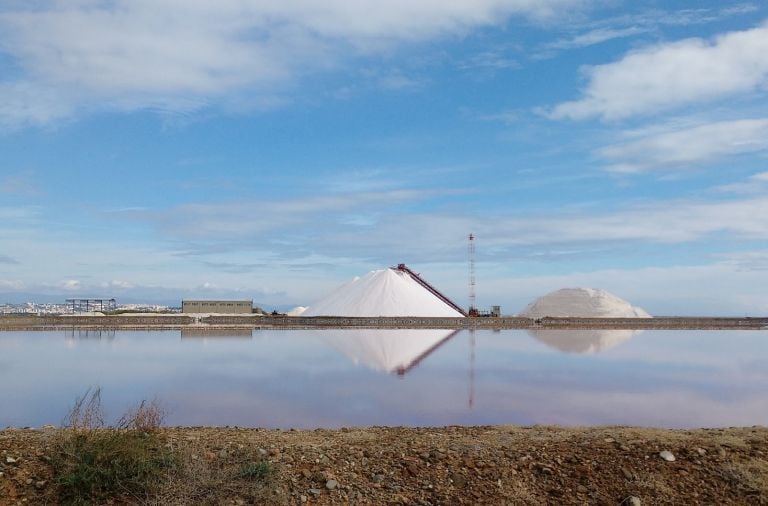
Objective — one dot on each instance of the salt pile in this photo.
(386, 292)
(388, 350)
(582, 341)
(297, 311)
(582, 302)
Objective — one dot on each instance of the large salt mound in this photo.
(390, 350)
(387, 292)
(582, 302)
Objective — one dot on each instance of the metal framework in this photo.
(88, 305)
(471, 252)
(434, 291)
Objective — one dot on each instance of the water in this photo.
(332, 378)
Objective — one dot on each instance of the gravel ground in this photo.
(430, 466)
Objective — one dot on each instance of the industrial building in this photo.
(217, 306)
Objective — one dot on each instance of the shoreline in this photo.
(441, 465)
(182, 321)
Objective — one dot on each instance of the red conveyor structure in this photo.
(434, 291)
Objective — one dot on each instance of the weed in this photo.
(255, 470)
(93, 461)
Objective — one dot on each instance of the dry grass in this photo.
(93, 462)
(750, 478)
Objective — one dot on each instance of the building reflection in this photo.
(217, 333)
(95, 334)
(583, 340)
(395, 351)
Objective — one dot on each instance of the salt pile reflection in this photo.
(388, 350)
(582, 340)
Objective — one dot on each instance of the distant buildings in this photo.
(217, 306)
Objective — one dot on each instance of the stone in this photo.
(303, 498)
(701, 451)
(306, 473)
(10, 460)
(40, 484)
(633, 501)
(315, 491)
(458, 480)
(667, 455)
(627, 473)
(331, 484)
(29, 481)
(263, 452)
(582, 489)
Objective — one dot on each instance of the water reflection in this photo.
(89, 334)
(304, 378)
(218, 333)
(389, 350)
(583, 340)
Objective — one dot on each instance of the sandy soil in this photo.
(452, 465)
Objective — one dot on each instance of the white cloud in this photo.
(184, 54)
(688, 146)
(669, 75)
(595, 36)
(757, 183)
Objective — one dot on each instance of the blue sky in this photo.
(153, 150)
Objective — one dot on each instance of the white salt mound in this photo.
(583, 340)
(582, 302)
(386, 292)
(297, 311)
(390, 350)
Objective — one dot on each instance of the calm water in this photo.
(331, 378)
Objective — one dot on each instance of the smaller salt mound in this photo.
(583, 341)
(584, 303)
(386, 292)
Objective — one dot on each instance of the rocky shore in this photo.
(426, 466)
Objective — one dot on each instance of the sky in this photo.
(152, 150)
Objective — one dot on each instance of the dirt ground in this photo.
(429, 466)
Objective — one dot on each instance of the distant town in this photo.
(67, 308)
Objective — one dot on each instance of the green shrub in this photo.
(255, 470)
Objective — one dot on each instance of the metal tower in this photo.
(472, 307)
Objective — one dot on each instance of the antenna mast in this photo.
(472, 307)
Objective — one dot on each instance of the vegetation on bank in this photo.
(92, 462)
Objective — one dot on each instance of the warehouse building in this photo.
(217, 306)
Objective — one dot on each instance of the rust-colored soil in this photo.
(453, 465)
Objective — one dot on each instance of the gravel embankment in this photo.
(452, 465)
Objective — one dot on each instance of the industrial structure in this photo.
(90, 305)
(217, 306)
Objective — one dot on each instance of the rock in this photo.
(263, 452)
(624, 448)
(319, 477)
(632, 501)
(315, 491)
(378, 478)
(582, 489)
(40, 484)
(458, 480)
(331, 484)
(306, 473)
(10, 460)
(701, 451)
(667, 455)
(29, 481)
(627, 474)
(303, 498)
